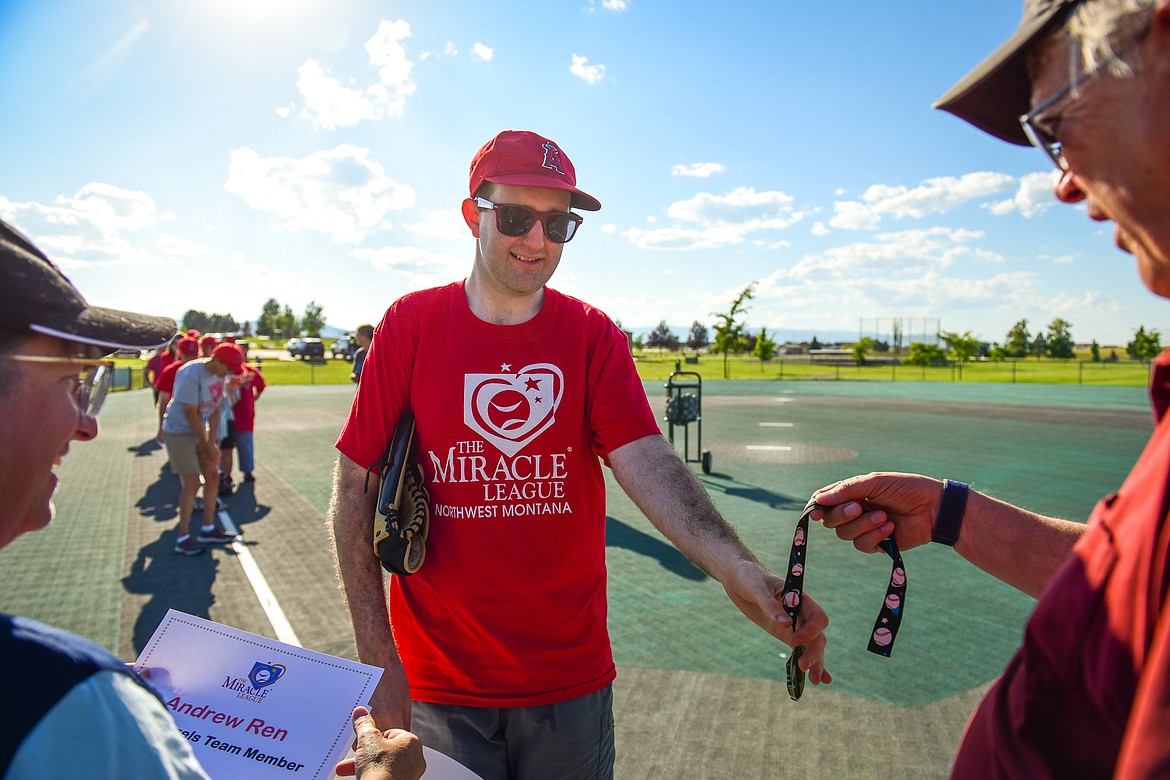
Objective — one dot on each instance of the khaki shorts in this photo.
(184, 455)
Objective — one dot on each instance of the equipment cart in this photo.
(684, 405)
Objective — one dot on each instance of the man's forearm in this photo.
(1014, 545)
(359, 573)
(673, 500)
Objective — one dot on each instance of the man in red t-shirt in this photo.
(186, 350)
(497, 651)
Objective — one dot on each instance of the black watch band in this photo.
(950, 513)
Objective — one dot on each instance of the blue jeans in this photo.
(245, 450)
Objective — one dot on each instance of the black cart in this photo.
(684, 405)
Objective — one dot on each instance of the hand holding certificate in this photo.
(251, 706)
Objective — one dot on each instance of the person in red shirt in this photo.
(244, 410)
(186, 349)
(162, 357)
(497, 651)
(1088, 692)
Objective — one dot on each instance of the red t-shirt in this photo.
(510, 607)
(166, 380)
(156, 364)
(1088, 692)
(244, 409)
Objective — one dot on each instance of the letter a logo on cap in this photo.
(552, 158)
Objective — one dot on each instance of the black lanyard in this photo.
(885, 629)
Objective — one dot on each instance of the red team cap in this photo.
(203, 342)
(188, 346)
(194, 334)
(525, 159)
(230, 356)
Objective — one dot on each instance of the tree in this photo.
(286, 323)
(268, 322)
(313, 321)
(1095, 351)
(861, 348)
(1039, 345)
(729, 331)
(662, 337)
(1018, 340)
(222, 323)
(814, 344)
(1060, 342)
(922, 354)
(1145, 345)
(963, 347)
(765, 347)
(195, 319)
(698, 338)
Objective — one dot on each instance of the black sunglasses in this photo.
(885, 629)
(514, 220)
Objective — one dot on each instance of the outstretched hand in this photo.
(393, 754)
(867, 509)
(757, 593)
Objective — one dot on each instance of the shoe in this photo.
(248, 477)
(214, 536)
(225, 487)
(188, 547)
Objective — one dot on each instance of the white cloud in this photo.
(1033, 197)
(340, 192)
(699, 170)
(720, 220)
(590, 74)
(422, 268)
(388, 55)
(446, 224)
(932, 196)
(482, 52)
(615, 5)
(100, 225)
(330, 104)
(819, 229)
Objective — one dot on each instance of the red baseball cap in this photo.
(230, 357)
(188, 346)
(525, 159)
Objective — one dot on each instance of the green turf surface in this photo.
(1053, 449)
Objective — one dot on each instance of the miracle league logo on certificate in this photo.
(254, 688)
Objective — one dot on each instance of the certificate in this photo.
(251, 706)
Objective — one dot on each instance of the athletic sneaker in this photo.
(188, 547)
(248, 477)
(214, 536)
(225, 487)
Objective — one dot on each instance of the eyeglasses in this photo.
(885, 629)
(93, 383)
(1045, 140)
(514, 220)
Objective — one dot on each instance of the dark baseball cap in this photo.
(998, 91)
(525, 159)
(35, 296)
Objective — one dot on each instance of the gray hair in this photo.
(1100, 26)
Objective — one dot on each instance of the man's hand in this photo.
(867, 509)
(392, 754)
(757, 593)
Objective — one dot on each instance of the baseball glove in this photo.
(402, 516)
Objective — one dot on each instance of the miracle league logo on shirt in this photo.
(509, 410)
(258, 680)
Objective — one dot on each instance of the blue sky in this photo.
(174, 155)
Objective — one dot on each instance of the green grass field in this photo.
(654, 365)
(1123, 373)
